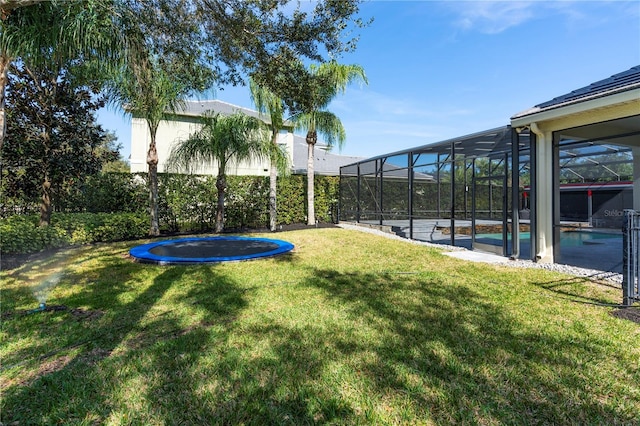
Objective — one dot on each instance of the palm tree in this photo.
(328, 79)
(267, 103)
(221, 141)
(148, 92)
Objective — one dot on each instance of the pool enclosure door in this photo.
(490, 217)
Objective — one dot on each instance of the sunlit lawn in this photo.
(350, 328)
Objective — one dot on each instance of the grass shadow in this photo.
(461, 357)
(81, 343)
(588, 290)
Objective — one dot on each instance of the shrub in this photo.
(115, 192)
(187, 203)
(292, 199)
(247, 202)
(21, 234)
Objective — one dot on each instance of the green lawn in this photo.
(350, 328)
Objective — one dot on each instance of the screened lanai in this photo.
(464, 192)
(587, 150)
(457, 192)
(551, 187)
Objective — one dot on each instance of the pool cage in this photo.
(461, 192)
(465, 191)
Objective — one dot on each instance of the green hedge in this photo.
(21, 234)
(187, 203)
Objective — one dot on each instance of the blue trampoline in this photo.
(208, 250)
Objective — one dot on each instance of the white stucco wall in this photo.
(170, 132)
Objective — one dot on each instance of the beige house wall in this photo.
(171, 132)
(544, 124)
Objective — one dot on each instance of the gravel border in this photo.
(611, 277)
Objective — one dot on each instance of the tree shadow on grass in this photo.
(241, 373)
(137, 362)
(234, 385)
(459, 357)
(46, 280)
(587, 290)
(380, 348)
(71, 384)
(410, 348)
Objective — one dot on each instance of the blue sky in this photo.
(439, 70)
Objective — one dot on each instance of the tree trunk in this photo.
(154, 227)
(152, 161)
(45, 205)
(221, 185)
(45, 200)
(312, 138)
(273, 182)
(5, 62)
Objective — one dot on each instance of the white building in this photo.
(187, 122)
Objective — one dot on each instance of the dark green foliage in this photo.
(326, 198)
(247, 202)
(271, 41)
(113, 207)
(186, 202)
(21, 234)
(114, 192)
(105, 193)
(291, 199)
(53, 141)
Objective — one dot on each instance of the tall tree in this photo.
(266, 39)
(45, 33)
(270, 40)
(329, 79)
(166, 65)
(153, 95)
(54, 139)
(223, 140)
(267, 103)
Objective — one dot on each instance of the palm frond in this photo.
(221, 140)
(46, 33)
(304, 121)
(269, 104)
(330, 127)
(331, 78)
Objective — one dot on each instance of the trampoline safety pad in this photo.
(208, 250)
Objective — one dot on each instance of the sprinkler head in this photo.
(42, 306)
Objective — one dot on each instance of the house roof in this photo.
(617, 83)
(197, 108)
(325, 162)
